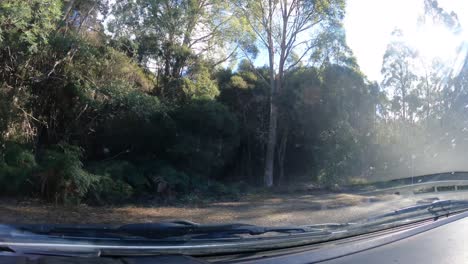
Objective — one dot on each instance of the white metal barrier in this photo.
(414, 188)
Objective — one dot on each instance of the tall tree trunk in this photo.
(271, 143)
(282, 154)
(403, 100)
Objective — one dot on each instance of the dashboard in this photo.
(443, 241)
(444, 244)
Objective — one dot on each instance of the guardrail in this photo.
(453, 185)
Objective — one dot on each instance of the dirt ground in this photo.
(285, 209)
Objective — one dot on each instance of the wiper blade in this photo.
(434, 210)
(193, 230)
(173, 230)
(178, 237)
(187, 238)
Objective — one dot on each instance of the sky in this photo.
(369, 23)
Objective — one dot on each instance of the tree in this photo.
(25, 31)
(398, 69)
(83, 15)
(173, 35)
(246, 95)
(286, 29)
(438, 15)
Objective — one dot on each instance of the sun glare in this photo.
(433, 42)
(368, 33)
(436, 42)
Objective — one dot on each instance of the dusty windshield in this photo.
(269, 113)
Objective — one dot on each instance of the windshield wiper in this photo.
(182, 230)
(172, 230)
(187, 238)
(197, 231)
(432, 210)
(178, 237)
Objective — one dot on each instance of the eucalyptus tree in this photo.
(398, 69)
(173, 35)
(287, 30)
(84, 15)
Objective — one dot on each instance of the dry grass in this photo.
(262, 210)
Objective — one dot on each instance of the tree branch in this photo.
(300, 58)
(254, 68)
(227, 57)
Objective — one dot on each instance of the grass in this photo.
(262, 209)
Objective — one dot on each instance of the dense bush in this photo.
(108, 190)
(207, 134)
(156, 180)
(19, 156)
(61, 176)
(137, 125)
(16, 170)
(123, 171)
(195, 187)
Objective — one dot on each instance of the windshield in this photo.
(269, 115)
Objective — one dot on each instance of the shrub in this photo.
(219, 190)
(206, 137)
(14, 180)
(107, 190)
(123, 171)
(189, 188)
(19, 156)
(177, 181)
(328, 178)
(136, 125)
(16, 170)
(62, 177)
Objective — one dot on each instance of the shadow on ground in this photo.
(284, 209)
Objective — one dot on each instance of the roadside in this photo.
(278, 209)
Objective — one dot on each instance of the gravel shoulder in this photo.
(284, 209)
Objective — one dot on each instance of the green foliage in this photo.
(19, 156)
(14, 180)
(62, 176)
(106, 190)
(328, 114)
(238, 82)
(399, 70)
(177, 181)
(122, 171)
(16, 170)
(195, 188)
(175, 44)
(149, 111)
(206, 136)
(121, 180)
(136, 124)
(27, 26)
(25, 30)
(200, 84)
